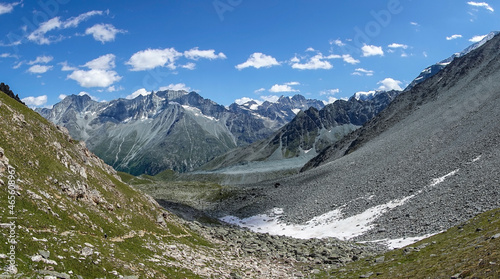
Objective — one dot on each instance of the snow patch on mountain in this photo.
(332, 224)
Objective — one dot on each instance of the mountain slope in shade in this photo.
(168, 129)
(424, 164)
(301, 139)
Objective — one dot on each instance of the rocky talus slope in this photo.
(426, 163)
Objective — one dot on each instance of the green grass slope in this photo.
(71, 216)
(470, 250)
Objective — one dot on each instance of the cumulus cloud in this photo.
(337, 42)
(330, 100)
(140, 92)
(176, 87)
(104, 62)
(476, 39)
(103, 32)
(329, 92)
(349, 59)
(259, 90)
(6, 8)
(152, 58)
(62, 96)
(453, 37)
(189, 66)
(371, 50)
(41, 59)
(287, 87)
(39, 69)
(100, 73)
(258, 60)
(245, 100)
(316, 62)
(395, 45)
(95, 78)
(389, 84)
(363, 72)
(39, 35)
(196, 54)
(270, 98)
(66, 68)
(482, 5)
(35, 101)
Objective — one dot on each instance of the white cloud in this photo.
(293, 83)
(310, 49)
(337, 42)
(105, 62)
(176, 87)
(476, 39)
(389, 84)
(245, 100)
(196, 54)
(361, 72)
(114, 88)
(330, 100)
(258, 60)
(103, 32)
(395, 45)
(481, 4)
(189, 66)
(349, 59)
(371, 50)
(95, 77)
(5, 55)
(39, 69)
(140, 92)
(152, 58)
(329, 92)
(259, 90)
(453, 37)
(282, 88)
(62, 96)
(66, 67)
(35, 101)
(414, 23)
(295, 59)
(316, 62)
(38, 36)
(6, 8)
(100, 73)
(270, 98)
(41, 59)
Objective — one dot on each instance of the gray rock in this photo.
(59, 275)
(87, 251)
(44, 254)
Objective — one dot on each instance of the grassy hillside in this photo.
(73, 217)
(470, 250)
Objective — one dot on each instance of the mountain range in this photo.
(169, 129)
(302, 138)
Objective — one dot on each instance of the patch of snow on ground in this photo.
(402, 242)
(330, 224)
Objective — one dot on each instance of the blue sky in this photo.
(229, 49)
